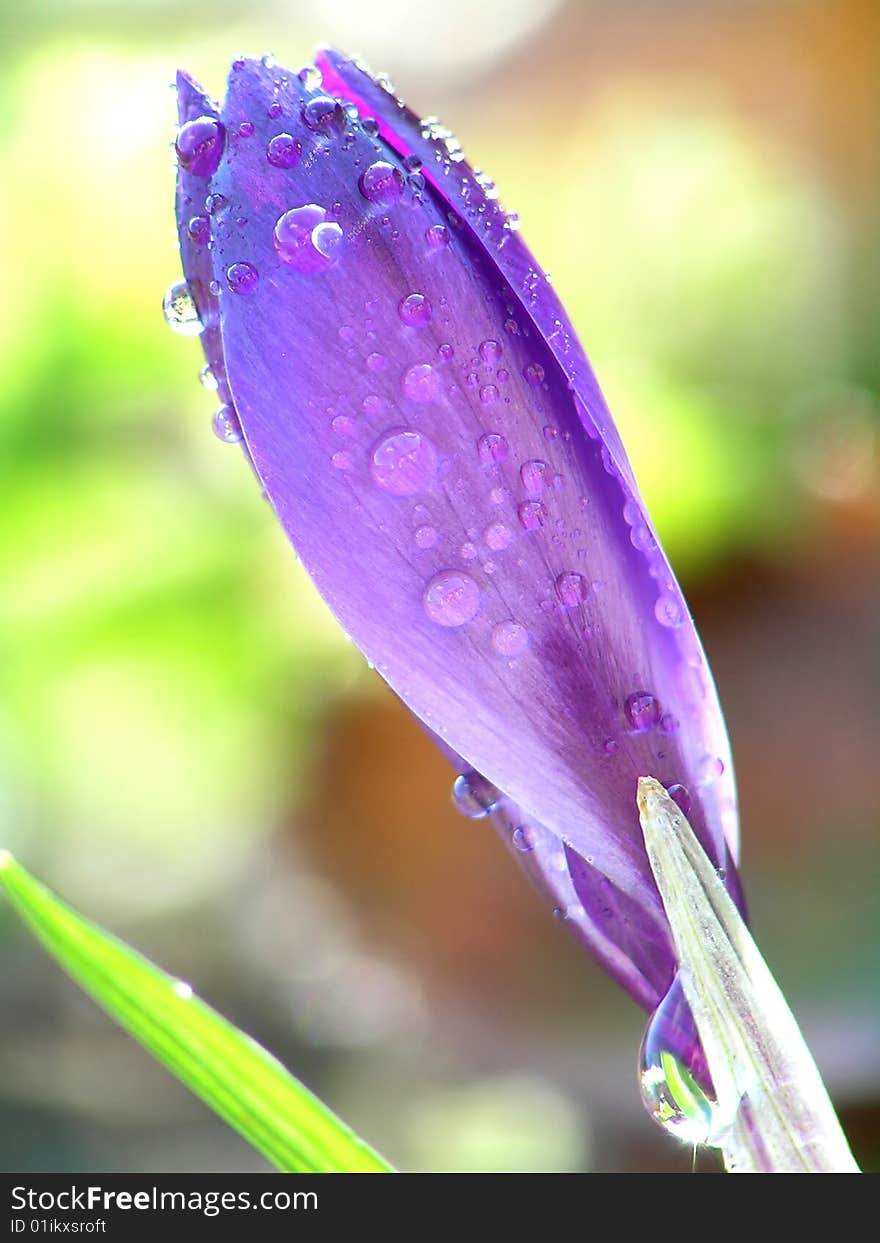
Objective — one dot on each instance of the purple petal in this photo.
(431, 436)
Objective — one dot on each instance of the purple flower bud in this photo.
(472, 519)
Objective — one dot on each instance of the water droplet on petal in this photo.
(642, 711)
(670, 1092)
(451, 598)
(509, 638)
(668, 612)
(532, 515)
(199, 146)
(415, 310)
(534, 476)
(681, 795)
(524, 838)
(376, 362)
(180, 310)
(226, 425)
(437, 236)
(198, 229)
(404, 462)
(571, 589)
(425, 536)
(421, 383)
(242, 278)
(497, 536)
(324, 116)
(490, 351)
(473, 795)
(284, 151)
(492, 449)
(305, 239)
(381, 183)
(488, 394)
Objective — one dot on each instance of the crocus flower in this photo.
(424, 422)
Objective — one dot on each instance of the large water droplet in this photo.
(404, 462)
(284, 151)
(451, 598)
(642, 711)
(381, 183)
(473, 795)
(199, 146)
(306, 240)
(180, 310)
(421, 383)
(670, 1067)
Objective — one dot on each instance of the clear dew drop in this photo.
(473, 795)
(497, 536)
(510, 638)
(425, 536)
(242, 278)
(534, 373)
(403, 462)
(670, 1093)
(492, 449)
(381, 183)
(310, 77)
(199, 146)
(207, 379)
(668, 611)
(284, 151)
(534, 476)
(324, 116)
(415, 310)
(198, 229)
(490, 351)
(226, 426)
(642, 711)
(488, 394)
(524, 838)
(532, 515)
(437, 236)
(571, 589)
(180, 310)
(451, 598)
(681, 796)
(421, 383)
(306, 240)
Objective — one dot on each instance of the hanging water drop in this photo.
(180, 310)
(473, 795)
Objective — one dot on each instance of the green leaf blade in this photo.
(237, 1078)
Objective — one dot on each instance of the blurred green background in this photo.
(192, 754)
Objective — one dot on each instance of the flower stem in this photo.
(780, 1118)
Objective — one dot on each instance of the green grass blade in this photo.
(232, 1074)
